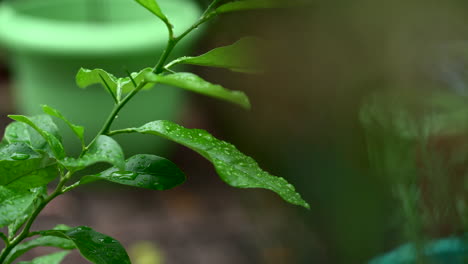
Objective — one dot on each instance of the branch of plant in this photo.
(25, 233)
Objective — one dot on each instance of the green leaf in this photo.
(240, 57)
(235, 168)
(78, 130)
(20, 132)
(144, 171)
(41, 193)
(194, 83)
(256, 4)
(117, 86)
(153, 7)
(95, 247)
(44, 241)
(104, 149)
(47, 129)
(54, 258)
(13, 203)
(23, 168)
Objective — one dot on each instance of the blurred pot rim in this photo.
(21, 32)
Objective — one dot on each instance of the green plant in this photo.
(32, 156)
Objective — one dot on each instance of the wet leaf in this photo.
(41, 193)
(78, 130)
(44, 241)
(239, 57)
(144, 171)
(47, 129)
(194, 83)
(23, 168)
(153, 7)
(95, 247)
(117, 86)
(235, 168)
(54, 258)
(104, 149)
(13, 203)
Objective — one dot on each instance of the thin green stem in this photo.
(172, 42)
(121, 131)
(25, 233)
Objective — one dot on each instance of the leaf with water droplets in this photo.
(44, 241)
(115, 86)
(20, 132)
(54, 258)
(153, 7)
(104, 149)
(13, 204)
(144, 171)
(23, 168)
(78, 130)
(239, 57)
(235, 168)
(257, 4)
(41, 194)
(47, 129)
(194, 83)
(95, 247)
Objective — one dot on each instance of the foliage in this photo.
(32, 156)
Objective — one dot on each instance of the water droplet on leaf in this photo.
(125, 175)
(20, 156)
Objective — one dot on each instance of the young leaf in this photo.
(54, 258)
(78, 130)
(194, 83)
(22, 168)
(44, 241)
(144, 171)
(235, 168)
(255, 4)
(238, 57)
(153, 7)
(47, 129)
(117, 86)
(13, 203)
(104, 149)
(95, 247)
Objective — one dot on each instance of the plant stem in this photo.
(25, 232)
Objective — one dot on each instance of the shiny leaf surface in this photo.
(235, 168)
(13, 204)
(117, 86)
(104, 149)
(239, 57)
(47, 129)
(144, 171)
(41, 193)
(194, 83)
(23, 168)
(95, 247)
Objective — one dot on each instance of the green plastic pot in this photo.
(49, 40)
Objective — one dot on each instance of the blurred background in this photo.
(322, 63)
